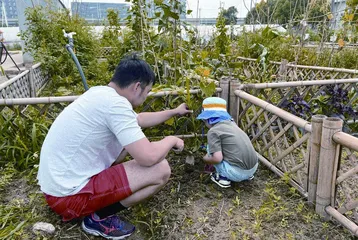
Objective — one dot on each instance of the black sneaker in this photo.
(223, 182)
(111, 227)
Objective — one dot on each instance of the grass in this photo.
(189, 207)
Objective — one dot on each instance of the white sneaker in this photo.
(223, 182)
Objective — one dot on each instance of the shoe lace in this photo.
(116, 223)
(224, 178)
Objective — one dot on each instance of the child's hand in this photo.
(207, 157)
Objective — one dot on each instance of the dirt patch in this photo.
(192, 207)
(17, 191)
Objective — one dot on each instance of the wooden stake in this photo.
(327, 163)
(315, 146)
(283, 70)
(32, 83)
(224, 85)
(337, 157)
(233, 106)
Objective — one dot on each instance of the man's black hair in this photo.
(132, 69)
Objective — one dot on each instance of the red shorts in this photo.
(107, 187)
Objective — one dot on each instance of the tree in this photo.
(351, 13)
(230, 15)
(221, 39)
(349, 32)
(288, 11)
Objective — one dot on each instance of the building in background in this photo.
(337, 8)
(8, 13)
(10, 10)
(96, 12)
(93, 11)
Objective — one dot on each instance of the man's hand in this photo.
(153, 152)
(183, 109)
(179, 146)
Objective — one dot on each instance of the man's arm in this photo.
(149, 153)
(150, 119)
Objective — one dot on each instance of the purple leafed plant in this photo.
(333, 101)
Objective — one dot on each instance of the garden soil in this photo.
(192, 207)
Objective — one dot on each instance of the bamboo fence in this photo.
(313, 155)
(316, 157)
(284, 71)
(344, 194)
(327, 45)
(104, 52)
(27, 84)
(278, 93)
(281, 139)
(50, 107)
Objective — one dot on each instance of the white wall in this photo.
(10, 34)
(204, 31)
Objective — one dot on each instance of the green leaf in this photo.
(235, 64)
(170, 13)
(208, 89)
(204, 54)
(170, 122)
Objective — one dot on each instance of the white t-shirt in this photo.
(85, 139)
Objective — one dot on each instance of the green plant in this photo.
(221, 39)
(45, 41)
(22, 137)
(333, 101)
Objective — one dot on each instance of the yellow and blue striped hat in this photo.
(214, 107)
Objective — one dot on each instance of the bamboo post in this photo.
(233, 105)
(327, 164)
(32, 83)
(314, 153)
(224, 85)
(283, 70)
(165, 70)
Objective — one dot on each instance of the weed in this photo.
(236, 201)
